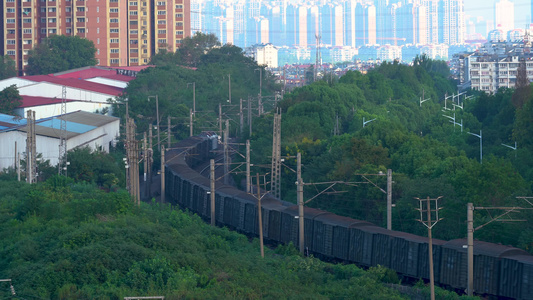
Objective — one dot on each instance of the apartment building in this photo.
(492, 67)
(125, 33)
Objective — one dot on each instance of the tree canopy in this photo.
(9, 99)
(59, 53)
(7, 67)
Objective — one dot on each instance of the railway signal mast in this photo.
(428, 221)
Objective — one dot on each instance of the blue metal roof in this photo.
(12, 120)
(71, 126)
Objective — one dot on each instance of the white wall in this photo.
(50, 110)
(49, 147)
(50, 90)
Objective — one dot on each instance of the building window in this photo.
(161, 22)
(134, 22)
(81, 8)
(114, 61)
(27, 42)
(80, 20)
(113, 30)
(10, 52)
(11, 31)
(27, 21)
(134, 60)
(113, 20)
(68, 30)
(133, 13)
(179, 32)
(10, 21)
(52, 31)
(81, 30)
(162, 41)
(179, 6)
(113, 41)
(133, 3)
(27, 31)
(68, 20)
(179, 24)
(10, 10)
(162, 12)
(114, 50)
(133, 42)
(162, 32)
(160, 2)
(68, 9)
(113, 10)
(52, 9)
(134, 50)
(135, 31)
(179, 15)
(52, 20)
(11, 42)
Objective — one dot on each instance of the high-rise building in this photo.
(451, 22)
(125, 33)
(504, 15)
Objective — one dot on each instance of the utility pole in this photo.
(276, 156)
(300, 200)
(480, 136)
(389, 199)
(62, 162)
(190, 122)
(150, 158)
(250, 114)
(30, 147)
(163, 174)
(229, 87)
(241, 118)
(169, 136)
(248, 188)
(212, 193)
(318, 56)
(145, 165)
(422, 100)
(157, 117)
(429, 222)
(259, 214)
(226, 153)
(260, 106)
(220, 133)
(193, 96)
(10, 286)
(471, 229)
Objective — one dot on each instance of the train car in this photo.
(333, 236)
(370, 245)
(498, 270)
(289, 226)
(487, 257)
(516, 276)
(407, 255)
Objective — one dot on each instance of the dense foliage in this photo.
(59, 53)
(9, 99)
(7, 67)
(73, 241)
(429, 156)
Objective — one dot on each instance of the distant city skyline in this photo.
(485, 8)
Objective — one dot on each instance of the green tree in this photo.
(59, 53)
(192, 48)
(7, 67)
(522, 86)
(9, 99)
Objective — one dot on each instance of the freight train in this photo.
(499, 271)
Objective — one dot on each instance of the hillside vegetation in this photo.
(61, 240)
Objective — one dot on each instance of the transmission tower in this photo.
(62, 163)
(276, 156)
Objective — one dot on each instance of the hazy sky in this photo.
(485, 8)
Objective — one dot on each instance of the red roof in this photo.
(119, 77)
(133, 68)
(77, 83)
(85, 73)
(29, 101)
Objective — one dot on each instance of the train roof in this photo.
(484, 248)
